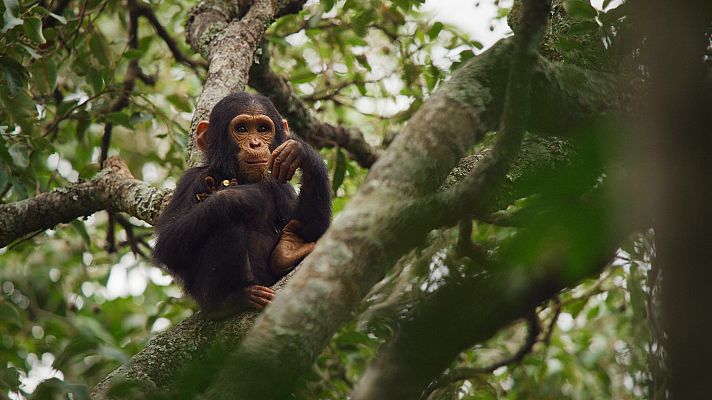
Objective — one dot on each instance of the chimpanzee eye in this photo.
(241, 128)
(262, 128)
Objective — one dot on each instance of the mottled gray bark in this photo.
(155, 367)
(389, 215)
(113, 188)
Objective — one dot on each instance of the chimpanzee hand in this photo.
(286, 159)
(254, 297)
(258, 297)
(290, 250)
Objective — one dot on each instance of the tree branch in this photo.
(113, 188)
(514, 121)
(147, 12)
(473, 309)
(228, 44)
(464, 373)
(334, 279)
(155, 367)
(302, 121)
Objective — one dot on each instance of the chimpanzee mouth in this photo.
(255, 162)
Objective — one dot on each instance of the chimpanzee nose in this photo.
(254, 143)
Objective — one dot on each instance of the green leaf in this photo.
(302, 75)
(328, 5)
(583, 27)
(10, 20)
(9, 314)
(33, 30)
(568, 44)
(81, 230)
(503, 12)
(435, 30)
(100, 49)
(59, 18)
(4, 179)
(361, 22)
(133, 54)
(95, 78)
(339, 171)
(31, 52)
(44, 75)
(119, 118)
(179, 102)
(15, 74)
(579, 8)
(20, 155)
(11, 377)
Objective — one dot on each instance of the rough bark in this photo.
(227, 34)
(155, 367)
(408, 168)
(393, 374)
(113, 188)
(382, 221)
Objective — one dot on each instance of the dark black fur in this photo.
(219, 246)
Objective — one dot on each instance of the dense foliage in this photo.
(81, 299)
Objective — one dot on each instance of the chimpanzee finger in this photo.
(292, 170)
(292, 161)
(256, 306)
(263, 294)
(263, 288)
(275, 154)
(259, 300)
(279, 162)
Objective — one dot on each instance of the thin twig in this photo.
(146, 11)
(130, 237)
(461, 374)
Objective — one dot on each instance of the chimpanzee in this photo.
(232, 228)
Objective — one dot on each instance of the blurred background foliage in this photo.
(79, 300)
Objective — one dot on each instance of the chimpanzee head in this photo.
(238, 141)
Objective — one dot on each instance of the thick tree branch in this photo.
(302, 121)
(113, 188)
(514, 120)
(378, 382)
(155, 367)
(380, 223)
(229, 44)
(369, 226)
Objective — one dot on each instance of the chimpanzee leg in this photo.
(224, 284)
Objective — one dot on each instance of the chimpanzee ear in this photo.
(201, 138)
(286, 127)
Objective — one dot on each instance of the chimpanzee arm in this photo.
(314, 203)
(186, 222)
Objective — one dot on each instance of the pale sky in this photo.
(475, 21)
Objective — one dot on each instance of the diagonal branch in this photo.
(148, 13)
(113, 188)
(514, 120)
(301, 119)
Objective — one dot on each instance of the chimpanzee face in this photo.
(238, 140)
(253, 133)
